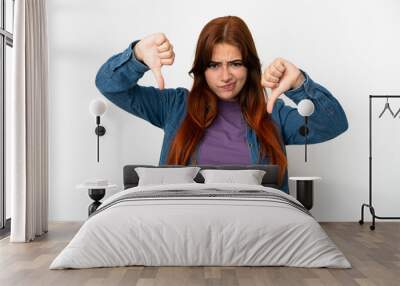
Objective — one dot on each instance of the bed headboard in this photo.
(270, 179)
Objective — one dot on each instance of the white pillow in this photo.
(164, 176)
(249, 177)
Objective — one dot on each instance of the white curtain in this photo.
(28, 123)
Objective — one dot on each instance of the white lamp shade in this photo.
(97, 107)
(305, 107)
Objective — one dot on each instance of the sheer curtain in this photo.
(27, 134)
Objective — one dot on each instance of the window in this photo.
(6, 44)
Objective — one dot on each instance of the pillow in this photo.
(249, 177)
(165, 176)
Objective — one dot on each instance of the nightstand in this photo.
(96, 193)
(304, 190)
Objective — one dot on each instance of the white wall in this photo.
(350, 47)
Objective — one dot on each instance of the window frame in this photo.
(6, 39)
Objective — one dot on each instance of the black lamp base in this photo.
(100, 130)
(303, 130)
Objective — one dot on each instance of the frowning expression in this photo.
(226, 73)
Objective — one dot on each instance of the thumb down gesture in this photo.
(155, 51)
(280, 76)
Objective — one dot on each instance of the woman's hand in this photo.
(155, 51)
(280, 76)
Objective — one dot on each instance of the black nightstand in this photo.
(96, 193)
(304, 190)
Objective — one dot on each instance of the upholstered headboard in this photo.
(270, 179)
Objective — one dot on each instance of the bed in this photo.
(201, 224)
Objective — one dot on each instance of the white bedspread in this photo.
(200, 231)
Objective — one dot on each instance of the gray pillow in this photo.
(165, 176)
(249, 177)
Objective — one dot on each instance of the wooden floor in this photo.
(374, 255)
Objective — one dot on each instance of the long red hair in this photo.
(202, 106)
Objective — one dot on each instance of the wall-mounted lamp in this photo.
(305, 108)
(97, 108)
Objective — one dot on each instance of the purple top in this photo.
(224, 142)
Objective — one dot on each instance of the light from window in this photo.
(9, 16)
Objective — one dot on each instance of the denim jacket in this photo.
(118, 79)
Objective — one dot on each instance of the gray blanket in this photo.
(204, 194)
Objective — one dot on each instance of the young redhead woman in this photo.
(226, 117)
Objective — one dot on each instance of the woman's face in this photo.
(226, 74)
